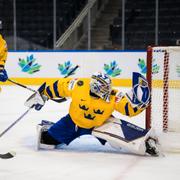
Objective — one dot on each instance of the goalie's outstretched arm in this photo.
(58, 89)
(136, 100)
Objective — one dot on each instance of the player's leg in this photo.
(52, 134)
(63, 132)
(82, 131)
(121, 134)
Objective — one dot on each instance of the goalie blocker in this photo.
(139, 95)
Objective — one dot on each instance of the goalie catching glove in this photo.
(139, 96)
(38, 99)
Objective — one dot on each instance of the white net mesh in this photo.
(165, 114)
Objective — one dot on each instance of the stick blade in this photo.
(8, 155)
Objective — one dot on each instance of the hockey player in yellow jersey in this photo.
(92, 103)
(3, 57)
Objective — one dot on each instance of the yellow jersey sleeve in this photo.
(123, 106)
(60, 88)
(3, 52)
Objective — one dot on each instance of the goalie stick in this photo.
(8, 155)
(12, 154)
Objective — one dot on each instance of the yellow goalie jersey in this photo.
(3, 52)
(87, 111)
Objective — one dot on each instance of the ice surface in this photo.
(84, 159)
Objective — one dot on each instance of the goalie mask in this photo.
(100, 85)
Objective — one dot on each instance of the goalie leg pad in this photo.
(44, 140)
(121, 134)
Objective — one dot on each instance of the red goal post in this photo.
(163, 74)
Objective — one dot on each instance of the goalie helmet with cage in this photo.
(100, 85)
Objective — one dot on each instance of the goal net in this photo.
(163, 74)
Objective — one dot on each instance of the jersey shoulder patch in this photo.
(72, 83)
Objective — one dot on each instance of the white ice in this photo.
(83, 159)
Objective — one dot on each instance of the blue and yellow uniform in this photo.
(86, 111)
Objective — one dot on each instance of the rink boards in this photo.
(35, 67)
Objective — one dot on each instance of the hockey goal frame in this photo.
(165, 81)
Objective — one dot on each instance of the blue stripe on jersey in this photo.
(127, 109)
(55, 87)
(49, 92)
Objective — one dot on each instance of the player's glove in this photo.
(3, 75)
(38, 99)
(139, 96)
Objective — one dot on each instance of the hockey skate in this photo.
(44, 141)
(152, 147)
